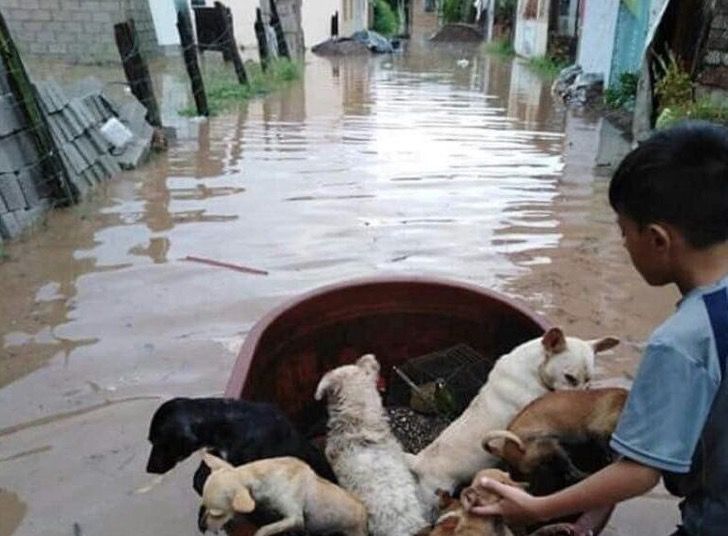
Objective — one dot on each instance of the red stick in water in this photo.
(220, 264)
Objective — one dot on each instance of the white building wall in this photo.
(315, 14)
(164, 15)
(597, 36)
(531, 36)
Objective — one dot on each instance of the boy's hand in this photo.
(516, 506)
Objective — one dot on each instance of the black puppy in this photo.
(235, 430)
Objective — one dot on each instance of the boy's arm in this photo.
(615, 483)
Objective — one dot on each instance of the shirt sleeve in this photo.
(666, 410)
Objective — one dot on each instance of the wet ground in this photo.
(438, 160)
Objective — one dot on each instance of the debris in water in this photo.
(221, 264)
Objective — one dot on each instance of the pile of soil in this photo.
(458, 32)
(340, 47)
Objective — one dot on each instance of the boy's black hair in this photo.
(678, 176)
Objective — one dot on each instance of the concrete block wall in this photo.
(88, 158)
(76, 30)
(714, 73)
(25, 193)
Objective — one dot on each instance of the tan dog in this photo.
(456, 519)
(526, 373)
(287, 486)
(537, 434)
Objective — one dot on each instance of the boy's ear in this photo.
(601, 345)
(553, 341)
(214, 463)
(660, 236)
(243, 502)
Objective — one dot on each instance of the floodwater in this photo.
(439, 160)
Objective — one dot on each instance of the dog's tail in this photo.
(501, 434)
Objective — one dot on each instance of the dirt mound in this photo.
(458, 32)
(340, 47)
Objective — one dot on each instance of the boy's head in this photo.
(671, 193)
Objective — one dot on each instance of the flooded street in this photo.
(417, 163)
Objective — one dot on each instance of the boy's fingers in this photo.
(492, 509)
(497, 487)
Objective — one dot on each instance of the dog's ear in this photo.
(601, 345)
(369, 364)
(327, 386)
(243, 502)
(554, 341)
(214, 463)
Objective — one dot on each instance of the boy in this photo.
(671, 199)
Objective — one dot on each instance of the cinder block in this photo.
(57, 48)
(11, 192)
(41, 15)
(10, 118)
(9, 226)
(16, 152)
(38, 48)
(27, 184)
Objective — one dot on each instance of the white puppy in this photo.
(286, 486)
(526, 373)
(366, 457)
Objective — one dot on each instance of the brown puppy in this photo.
(455, 518)
(537, 435)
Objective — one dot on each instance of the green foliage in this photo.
(702, 109)
(622, 95)
(546, 66)
(504, 9)
(3, 254)
(674, 87)
(501, 47)
(454, 10)
(224, 91)
(385, 18)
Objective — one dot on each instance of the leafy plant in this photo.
(623, 93)
(224, 91)
(385, 18)
(505, 9)
(702, 109)
(500, 47)
(454, 10)
(547, 66)
(674, 87)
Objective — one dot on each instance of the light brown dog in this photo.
(286, 486)
(456, 519)
(537, 435)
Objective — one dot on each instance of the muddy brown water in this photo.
(438, 160)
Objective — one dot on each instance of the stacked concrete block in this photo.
(77, 30)
(88, 158)
(75, 124)
(714, 73)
